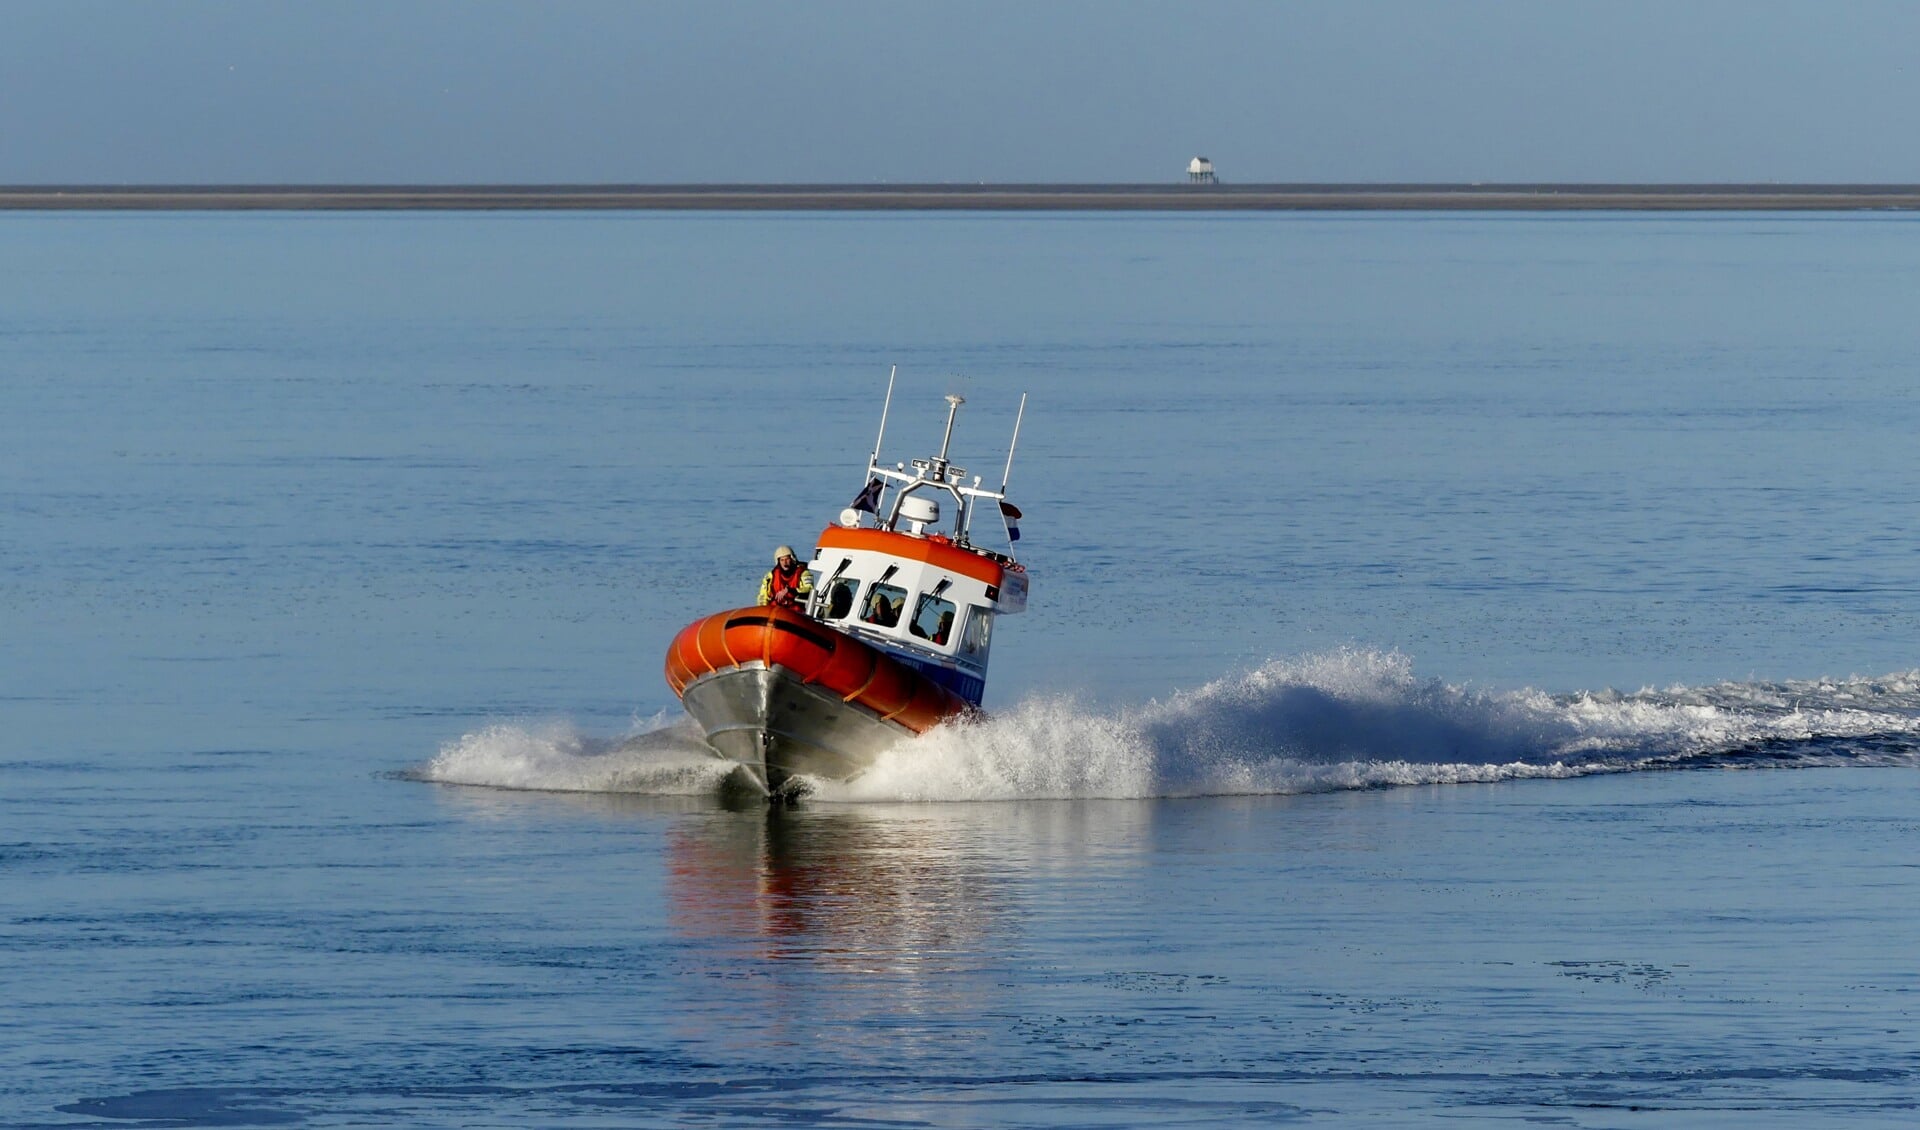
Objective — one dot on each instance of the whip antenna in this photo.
(874, 459)
(1015, 442)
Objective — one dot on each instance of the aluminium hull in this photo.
(778, 726)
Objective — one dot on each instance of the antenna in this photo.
(954, 401)
(874, 460)
(1015, 442)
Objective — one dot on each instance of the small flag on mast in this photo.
(869, 497)
(1011, 514)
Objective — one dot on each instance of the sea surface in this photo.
(1472, 674)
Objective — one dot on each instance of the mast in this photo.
(936, 473)
(939, 467)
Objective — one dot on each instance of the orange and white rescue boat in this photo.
(892, 640)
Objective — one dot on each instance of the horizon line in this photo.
(938, 196)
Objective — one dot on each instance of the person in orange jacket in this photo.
(787, 584)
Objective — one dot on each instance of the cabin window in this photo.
(840, 598)
(978, 633)
(933, 620)
(883, 604)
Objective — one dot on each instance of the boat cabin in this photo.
(886, 576)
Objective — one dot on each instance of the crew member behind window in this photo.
(787, 584)
(883, 607)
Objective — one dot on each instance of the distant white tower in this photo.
(1200, 171)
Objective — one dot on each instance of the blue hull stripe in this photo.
(969, 687)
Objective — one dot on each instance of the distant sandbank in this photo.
(982, 197)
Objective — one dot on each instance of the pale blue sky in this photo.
(1382, 90)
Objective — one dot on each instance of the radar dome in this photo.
(916, 509)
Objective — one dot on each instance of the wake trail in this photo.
(1347, 719)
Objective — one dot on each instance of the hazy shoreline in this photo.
(984, 197)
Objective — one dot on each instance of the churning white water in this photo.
(1346, 719)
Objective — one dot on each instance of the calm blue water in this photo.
(1471, 673)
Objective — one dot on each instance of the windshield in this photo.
(840, 598)
(883, 604)
(978, 635)
(933, 619)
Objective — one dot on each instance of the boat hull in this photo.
(779, 727)
(787, 696)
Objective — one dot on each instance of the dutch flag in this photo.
(1011, 514)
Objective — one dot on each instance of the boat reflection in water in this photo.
(896, 932)
(876, 890)
(879, 926)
